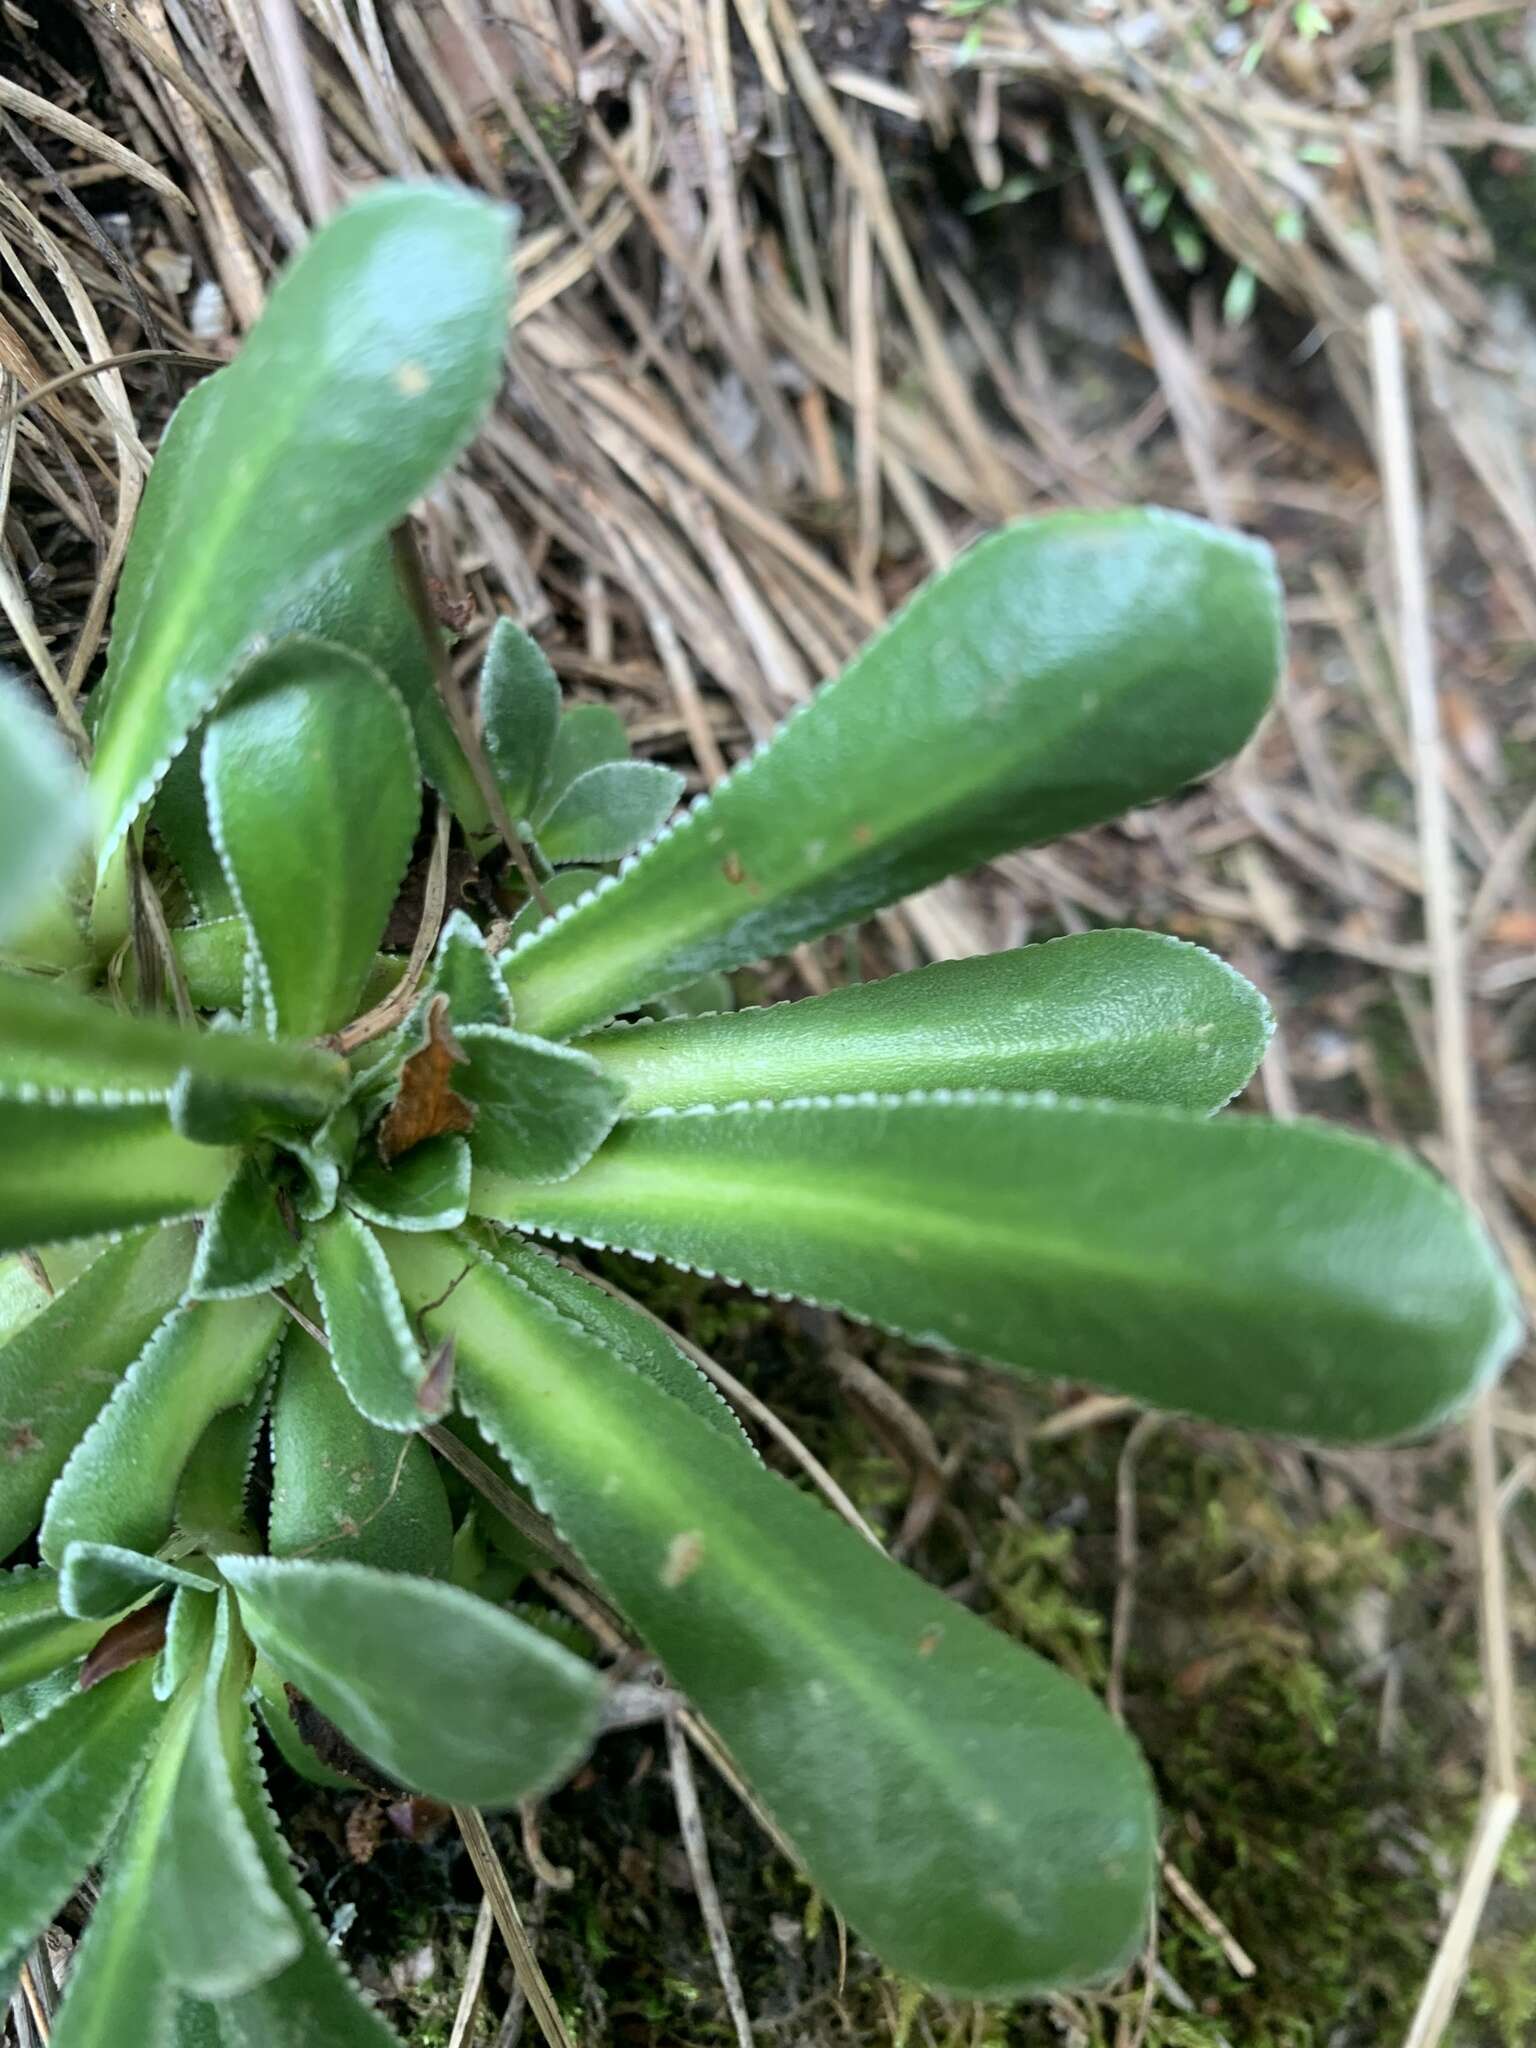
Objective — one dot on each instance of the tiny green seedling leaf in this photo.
(1059, 672)
(589, 736)
(379, 349)
(519, 714)
(376, 1357)
(541, 1110)
(1124, 1015)
(443, 1691)
(311, 780)
(44, 820)
(608, 811)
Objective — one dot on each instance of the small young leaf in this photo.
(1286, 1277)
(1059, 672)
(98, 1580)
(44, 819)
(426, 1188)
(610, 810)
(589, 736)
(120, 1483)
(375, 1356)
(978, 1817)
(519, 711)
(1127, 1015)
(466, 974)
(427, 1104)
(64, 1780)
(246, 1246)
(541, 1110)
(344, 1490)
(378, 351)
(312, 792)
(36, 1635)
(58, 1370)
(441, 1690)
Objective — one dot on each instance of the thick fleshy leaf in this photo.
(60, 1047)
(1286, 1277)
(380, 348)
(100, 1580)
(64, 1780)
(313, 796)
(466, 974)
(1126, 1015)
(609, 811)
(1061, 671)
(121, 1480)
(589, 736)
(58, 1370)
(375, 1354)
(220, 1924)
(180, 817)
(213, 959)
(443, 1691)
(344, 1490)
(68, 1171)
(541, 1110)
(36, 1634)
(426, 1188)
(519, 711)
(642, 1344)
(210, 1501)
(246, 1246)
(976, 1815)
(44, 818)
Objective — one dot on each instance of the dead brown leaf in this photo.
(426, 1106)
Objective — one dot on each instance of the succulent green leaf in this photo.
(443, 1691)
(246, 1246)
(378, 352)
(64, 1780)
(100, 1580)
(44, 820)
(519, 712)
(1124, 1015)
(180, 817)
(59, 1047)
(976, 1815)
(121, 1480)
(36, 1635)
(608, 811)
(210, 1502)
(58, 1370)
(312, 792)
(1285, 1277)
(73, 1171)
(373, 1350)
(466, 974)
(426, 1188)
(213, 959)
(344, 1490)
(541, 1109)
(1059, 672)
(589, 736)
(220, 1925)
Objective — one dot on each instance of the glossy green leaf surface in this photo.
(426, 1188)
(59, 1369)
(44, 819)
(36, 1635)
(246, 1246)
(64, 1780)
(343, 1489)
(443, 1691)
(373, 1348)
(57, 1046)
(1061, 671)
(220, 1924)
(379, 349)
(541, 1110)
(976, 1815)
(519, 712)
(609, 811)
(120, 1483)
(1287, 1277)
(213, 959)
(312, 795)
(180, 817)
(1126, 1015)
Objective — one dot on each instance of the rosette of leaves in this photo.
(299, 1226)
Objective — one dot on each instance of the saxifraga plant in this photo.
(1015, 1157)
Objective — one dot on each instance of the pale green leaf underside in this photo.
(974, 1813)
(373, 1349)
(1282, 1277)
(313, 799)
(443, 1691)
(379, 349)
(1060, 672)
(1127, 1015)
